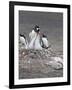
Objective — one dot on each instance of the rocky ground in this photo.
(40, 63)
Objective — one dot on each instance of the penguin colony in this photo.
(37, 41)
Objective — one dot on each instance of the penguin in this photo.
(23, 41)
(35, 38)
(34, 32)
(44, 41)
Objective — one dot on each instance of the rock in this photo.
(40, 63)
(56, 62)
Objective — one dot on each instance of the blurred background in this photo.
(51, 23)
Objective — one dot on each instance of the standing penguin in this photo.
(34, 32)
(23, 41)
(35, 38)
(44, 41)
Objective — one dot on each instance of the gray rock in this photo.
(40, 63)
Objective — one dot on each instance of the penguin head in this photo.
(42, 35)
(36, 28)
(22, 35)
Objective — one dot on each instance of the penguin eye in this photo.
(37, 28)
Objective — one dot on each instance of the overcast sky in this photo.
(43, 19)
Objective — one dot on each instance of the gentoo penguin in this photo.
(44, 41)
(34, 32)
(35, 38)
(23, 41)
